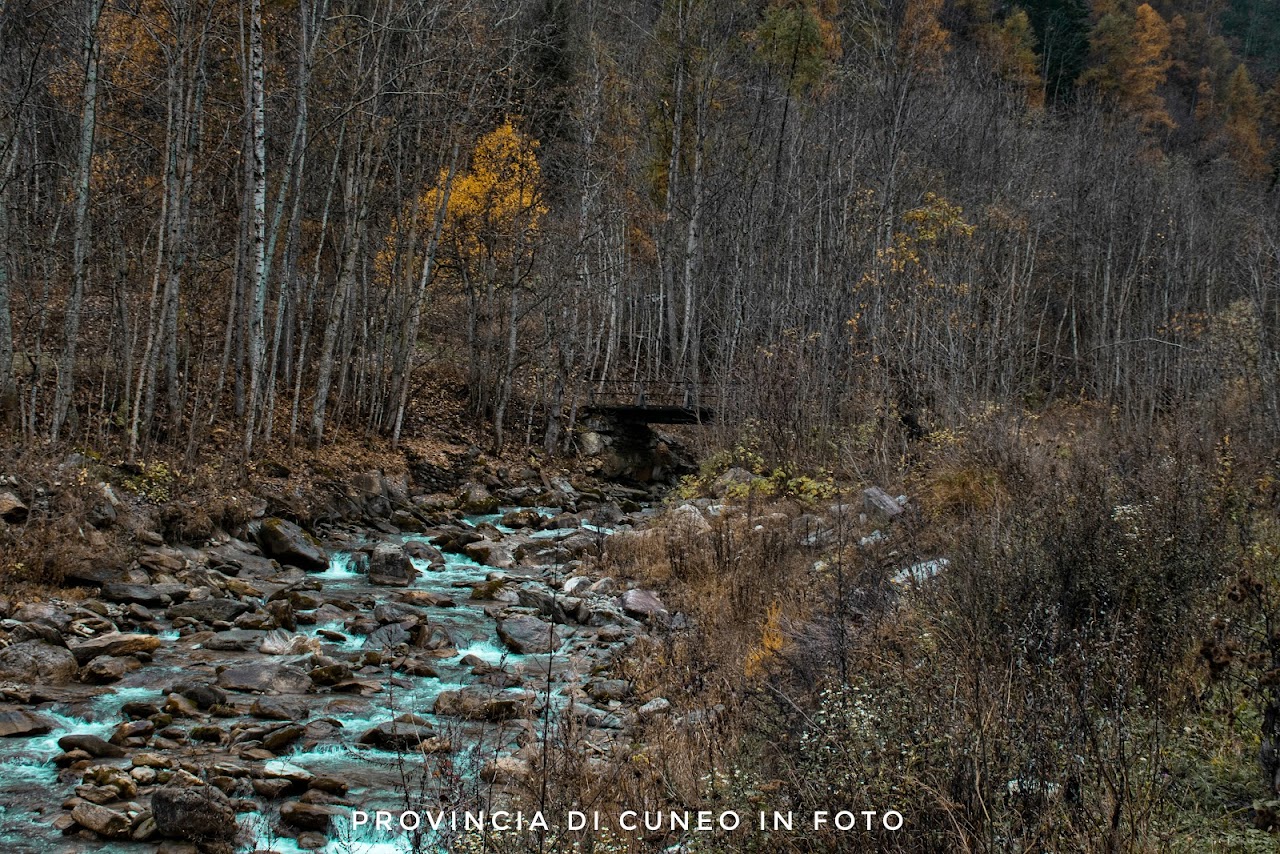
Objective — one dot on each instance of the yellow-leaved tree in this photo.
(1242, 122)
(479, 222)
(1012, 45)
(488, 234)
(1131, 63)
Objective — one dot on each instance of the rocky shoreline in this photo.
(251, 691)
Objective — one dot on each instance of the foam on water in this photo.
(29, 761)
(488, 651)
(341, 568)
(344, 840)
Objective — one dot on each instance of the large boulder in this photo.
(145, 594)
(198, 813)
(43, 612)
(209, 610)
(288, 543)
(406, 732)
(880, 503)
(114, 643)
(93, 745)
(490, 553)
(482, 703)
(235, 640)
(11, 508)
(265, 679)
(279, 709)
(389, 566)
(526, 635)
(544, 602)
(305, 816)
(36, 661)
(476, 499)
(20, 723)
(386, 637)
(643, 604)
(105, 669)
(104, 821)
(424, 551)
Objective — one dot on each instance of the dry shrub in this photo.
(1023, 699)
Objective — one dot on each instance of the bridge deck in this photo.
(650, 402)
(645, 414)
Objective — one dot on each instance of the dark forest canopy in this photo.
(274, 216)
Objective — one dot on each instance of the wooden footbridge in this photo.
(650, 402)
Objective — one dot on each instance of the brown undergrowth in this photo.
(1045, 688)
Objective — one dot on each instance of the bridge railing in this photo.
(687, 395)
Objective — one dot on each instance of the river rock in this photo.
(208, 610)
(37, 631)
(389, 566)
(104, 821)
(424, 551)
(524, 634)
(280, 642)
(306, 816)
(198, 813)
(576, 584)
(104, 670)
(403, 733)
(279, 739)
(35, 661)
(162, 559)
(387, 637)
(526, 518)
(481, 703)
(204, 695)
(242, 559)
(506, 769)
(16, 722)
(235, 640)
(427, 598)
(279, 708)
(330, 674)
(282, 612)
(643, 604)
(12, 508)
(454, 540)
(265, 679)
(92, 745)
(476, 499)
(605, 690)
(542, 601)
(490, 553)
(278, 769)
(687, 520)
(114, 644)
(43, 612)
(145, 594)
(287, 543)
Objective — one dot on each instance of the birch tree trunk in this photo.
(256, 343)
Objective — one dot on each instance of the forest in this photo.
(268, 218)
(1019, 261)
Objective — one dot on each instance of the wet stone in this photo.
(90, 744)
(21, 723)
(278, 709)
